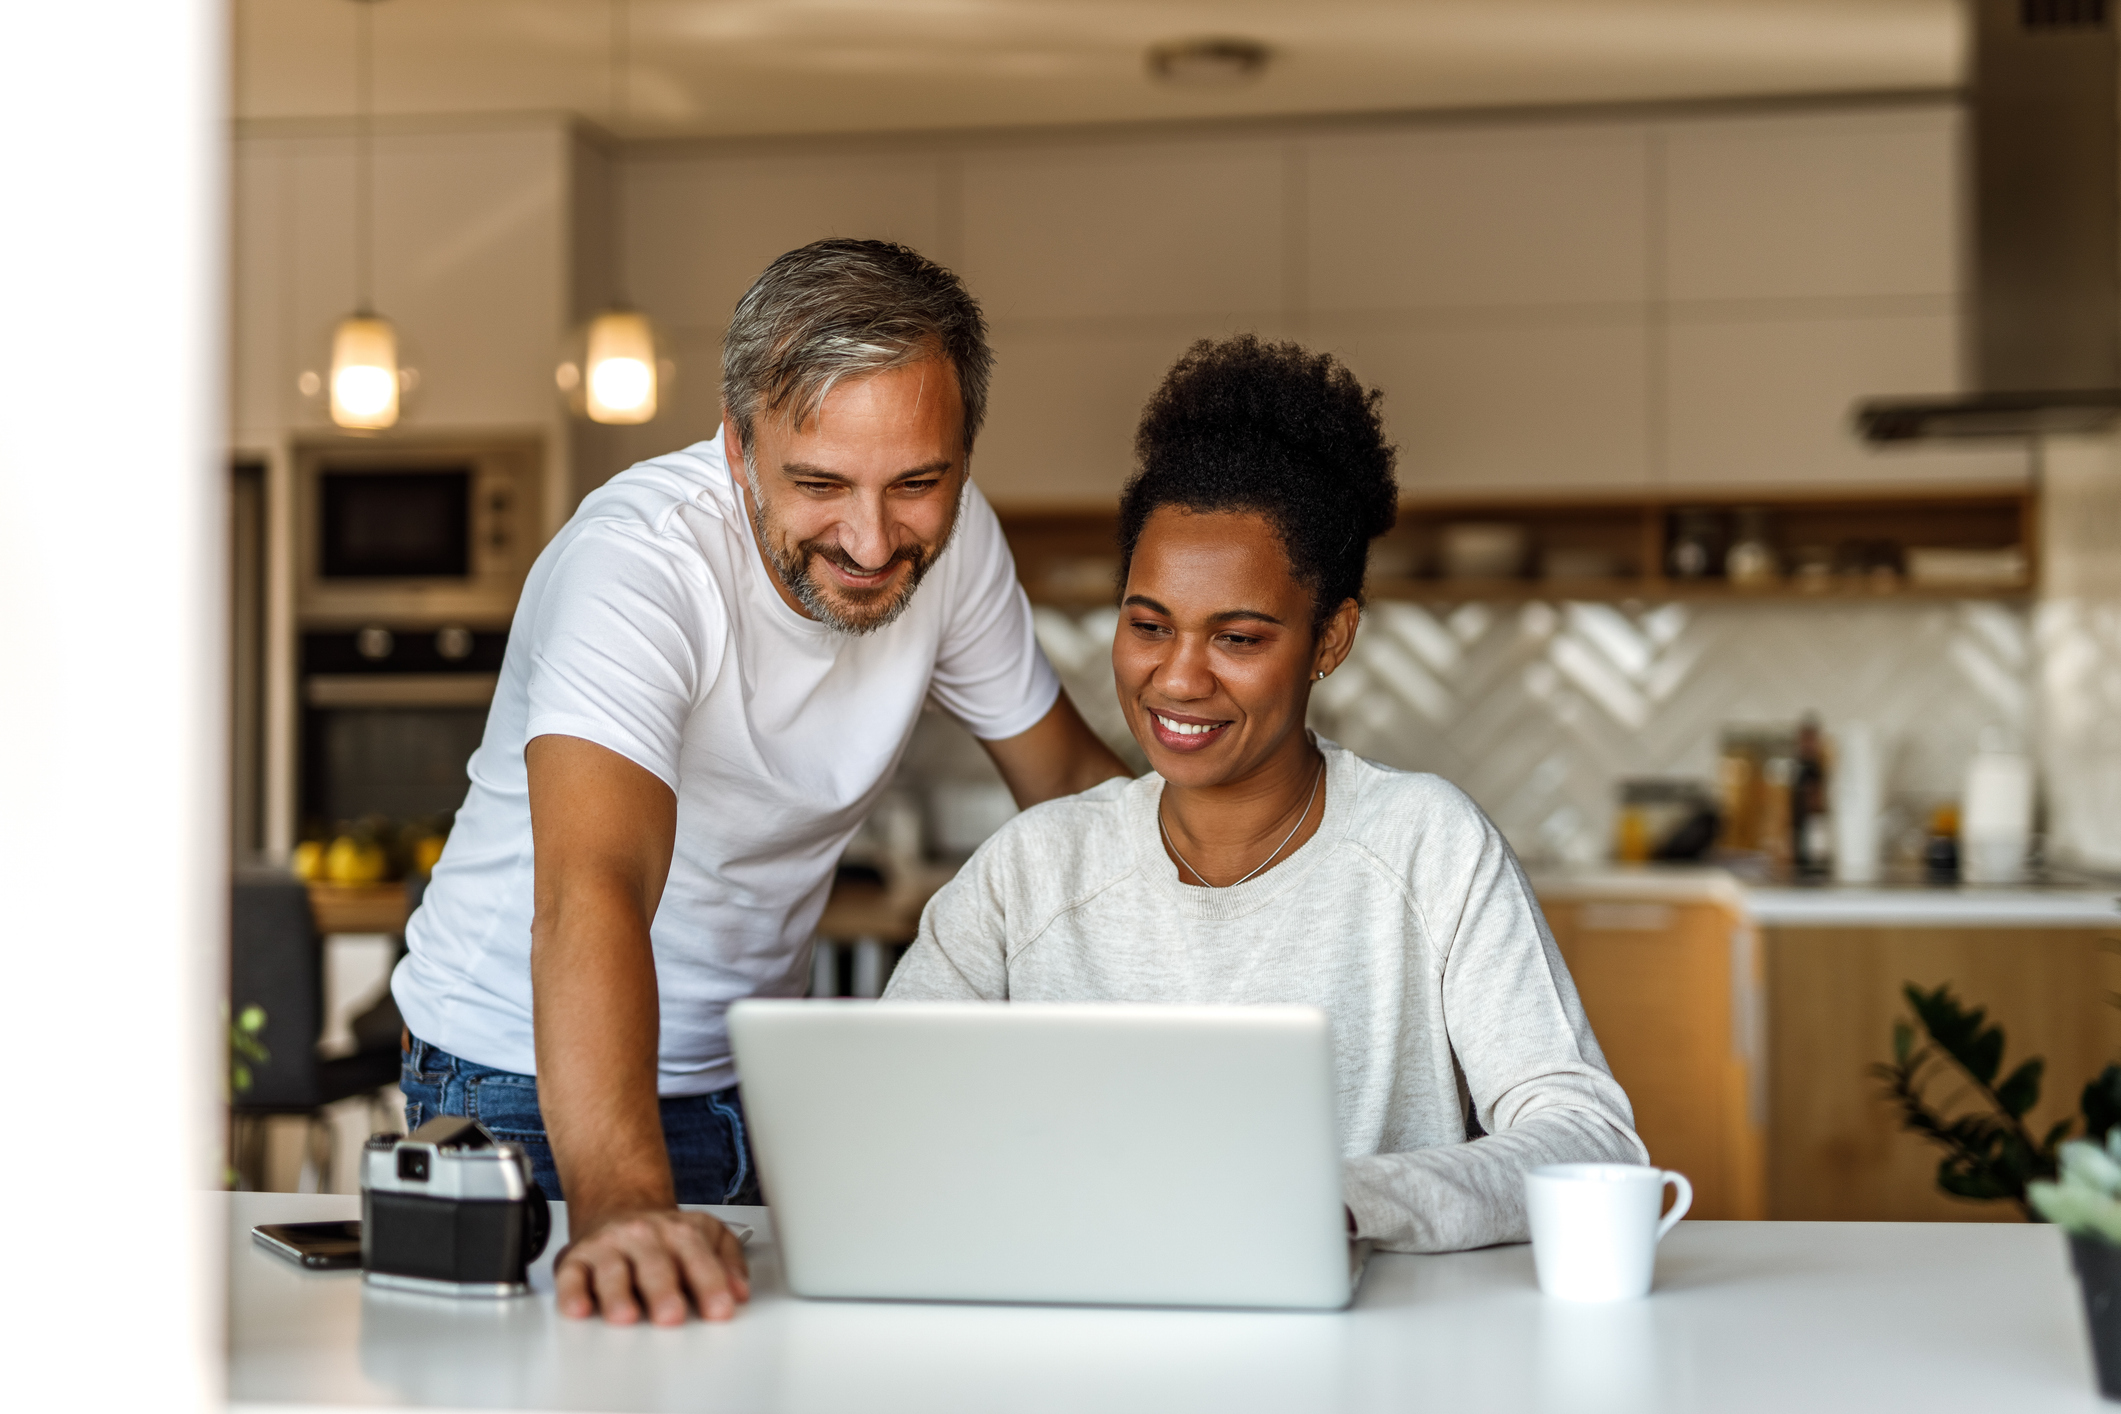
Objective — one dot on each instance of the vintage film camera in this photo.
(450, 1210)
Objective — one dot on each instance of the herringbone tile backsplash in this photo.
(1538, 710)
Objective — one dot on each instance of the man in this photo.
(714, 668)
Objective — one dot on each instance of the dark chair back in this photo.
(276, 961)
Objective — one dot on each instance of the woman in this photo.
(1260, 864)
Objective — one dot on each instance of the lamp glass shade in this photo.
(620, 382)
(364, 372)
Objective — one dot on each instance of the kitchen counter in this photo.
(2061, 904)
(1746, 1316)
(1948, 906)
(1745, 1020)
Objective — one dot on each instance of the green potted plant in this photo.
(1991, 1151)
(2085, 1202)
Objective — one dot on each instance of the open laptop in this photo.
(1095, 1153)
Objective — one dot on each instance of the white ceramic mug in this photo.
(1595, 1227)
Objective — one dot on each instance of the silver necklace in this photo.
(1309, 800)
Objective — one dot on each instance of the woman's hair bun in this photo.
(1275, 429)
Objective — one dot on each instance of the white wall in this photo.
(1676, 302)
(113, 704)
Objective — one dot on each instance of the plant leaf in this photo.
(2021, 1090)
(1983, 1056)
(2101, 1103)
(1903, 1041)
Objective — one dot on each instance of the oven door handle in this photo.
(400, 689)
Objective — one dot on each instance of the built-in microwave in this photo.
(415, 534)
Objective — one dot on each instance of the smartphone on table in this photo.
(321, 1247)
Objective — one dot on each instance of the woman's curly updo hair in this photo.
(1279, 431)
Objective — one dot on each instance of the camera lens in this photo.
(412, 1164)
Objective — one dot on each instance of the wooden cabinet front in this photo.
(1836, 1145)
(1669, 988)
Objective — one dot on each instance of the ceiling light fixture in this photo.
(613, 368)
(1208, 63)
(365, 378)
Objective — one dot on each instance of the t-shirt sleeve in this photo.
(990, 672)
(625, 638)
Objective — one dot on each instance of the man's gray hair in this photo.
(838, 309)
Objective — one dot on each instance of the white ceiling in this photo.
(714, 67)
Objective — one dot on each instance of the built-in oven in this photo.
(390, 716)
(411, 534)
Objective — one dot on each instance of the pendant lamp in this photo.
(364, 348)
(613, 368)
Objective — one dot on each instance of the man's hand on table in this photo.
(653, 1258)
(602, 831)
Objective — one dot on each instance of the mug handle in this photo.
(1684, 1201)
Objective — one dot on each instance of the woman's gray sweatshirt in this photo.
(1405, 917)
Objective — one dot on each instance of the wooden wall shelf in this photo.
(1066, 557)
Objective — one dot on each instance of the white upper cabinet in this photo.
(1126, 231)
(1480, 408)
(1492, 282)
(1813, 261)
(700, 229)
(469, 255)
(1510, 218)
(1549, 306)
(1832, 206)
(1765, 402)
(1098, 265)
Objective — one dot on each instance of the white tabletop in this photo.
(1746, 1316)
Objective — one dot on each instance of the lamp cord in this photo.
(364, 157)
(621, 110)
(1309, 800)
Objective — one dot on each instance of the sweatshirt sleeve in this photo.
(1538, 1082)
(960, 953)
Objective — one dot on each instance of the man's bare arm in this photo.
(1057, 757)
(602, 829)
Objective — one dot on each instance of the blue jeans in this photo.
(710, 1157)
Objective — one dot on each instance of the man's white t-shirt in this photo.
(650, 626)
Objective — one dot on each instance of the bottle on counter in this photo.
(1857, 796)
(1996, 814)
(1940, 845)
(1811, 827)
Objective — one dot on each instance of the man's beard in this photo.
(855, 611)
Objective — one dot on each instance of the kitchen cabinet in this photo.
(1101, 231)
(1841, 205)
(1098, 265)
(1607, 304)
(470, 255)
(1764, 396)
(1837, 1151)
(1498, 219)
(1670, 985)
(1811, 260)
(1539, 403)
(1744, 1021)
(1493, 282)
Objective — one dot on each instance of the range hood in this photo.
(2046, 168)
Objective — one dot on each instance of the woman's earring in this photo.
(1321, 674)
